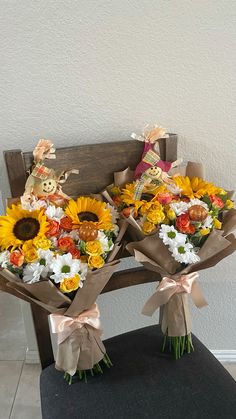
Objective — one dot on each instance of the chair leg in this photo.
(40, 317)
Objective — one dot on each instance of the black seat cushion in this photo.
(144, 383)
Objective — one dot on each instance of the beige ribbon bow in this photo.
(169, 286)
(64, 326)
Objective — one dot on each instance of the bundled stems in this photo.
(97, 369)
(178, 345)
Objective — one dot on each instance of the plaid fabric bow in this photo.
(41, 172)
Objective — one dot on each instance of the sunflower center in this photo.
(87, 216)
(26, 228)
(146, 197)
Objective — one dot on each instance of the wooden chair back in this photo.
(96, 163)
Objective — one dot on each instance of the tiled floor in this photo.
(19, 390)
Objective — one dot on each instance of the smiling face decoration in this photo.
(48, 186)
(43, 182)
(153, 172)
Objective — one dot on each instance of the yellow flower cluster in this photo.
(196, 187)
(30, 247)
(94, 250)
(127, 196)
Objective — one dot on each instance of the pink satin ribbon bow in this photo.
(169, 286)
(65, 326)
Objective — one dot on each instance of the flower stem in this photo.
(82, 374)
(178, 345)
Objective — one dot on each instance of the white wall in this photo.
(90, 71)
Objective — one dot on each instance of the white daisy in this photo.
(45, 259)
(170, 236)
(115, 229)
(103, 240)
(32, 272)
(66, 267)
(179, 207)
(4, 258)
(185, 254)
(207, 223)
(114, 213)
(54, 213)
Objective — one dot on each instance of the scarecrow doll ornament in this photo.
(44, 184)
(151, 170)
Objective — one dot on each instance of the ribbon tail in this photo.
(68, 354)
(197, 296)
(155, 301)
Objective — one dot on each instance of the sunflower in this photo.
(19, 225)
(196, 187)
(89, 210)
(148, 196)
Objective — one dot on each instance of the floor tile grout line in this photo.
(14, 399)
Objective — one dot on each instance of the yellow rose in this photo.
(70, 284)
(155, 217)
(204, 231)
(31, 255)
(229, 204)
(144, 208)
(217, 224)
(95, 262)
(42, 243)
(171, 214)
(156, 206)
(148, 227)
(94, 248)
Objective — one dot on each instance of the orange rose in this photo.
(53, 228)
(74, 252)
(17, 258)
(117, 199)
(66, 243)
(216, 201)
(66, 224)
(183, 224)
(164, 198)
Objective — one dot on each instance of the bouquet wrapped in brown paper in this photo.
(60, 253)
(179, 224)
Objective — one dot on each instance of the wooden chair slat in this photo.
(129, 278)
(16, 171)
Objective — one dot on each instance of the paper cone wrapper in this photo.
(175, 316)
(83, 348)
(80, 351)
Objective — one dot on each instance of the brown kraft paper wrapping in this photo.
(80, 351)
(154, 255)
(175, 316)
(83, 346)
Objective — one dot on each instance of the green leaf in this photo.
(207, 200)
